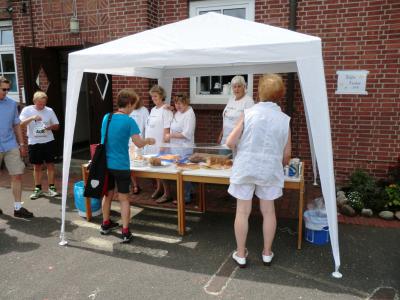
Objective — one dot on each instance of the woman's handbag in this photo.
(96, 184)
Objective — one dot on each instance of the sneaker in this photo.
(23, 213)
(106, 229)
(267, 259)
(37, 193)
(240, 261)
(127, 237)
(53, 192)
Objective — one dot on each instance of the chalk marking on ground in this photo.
(158, 238)
(190, 245)
(112, 246)
(143, 235)
(334, 285)
(373, 296)
(134, 210)
(158, 253)
(86, 224)
(93, 295)
(219, 281)
(100, 243)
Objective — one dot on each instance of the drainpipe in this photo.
(290, 80)
(32, 30)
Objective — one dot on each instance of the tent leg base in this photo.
(337, 275)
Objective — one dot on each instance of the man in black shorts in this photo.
(41, 121)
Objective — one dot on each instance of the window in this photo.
(7, 57)
(214, 89)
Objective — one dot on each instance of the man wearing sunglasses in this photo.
(12, 146)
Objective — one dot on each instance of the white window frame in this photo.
(195, 7)
(10, 49)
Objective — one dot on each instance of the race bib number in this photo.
(39, 129)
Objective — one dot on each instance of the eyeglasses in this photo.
(5, 90)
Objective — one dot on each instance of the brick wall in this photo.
(361, 34)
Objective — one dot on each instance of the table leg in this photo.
(202, 198)
(301, 208)
(87, 200)
(181, 205)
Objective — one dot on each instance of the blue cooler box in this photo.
(318, 237)
(80, 202)
(317, 230)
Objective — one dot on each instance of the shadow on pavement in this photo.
(37, 226)
(11, 244)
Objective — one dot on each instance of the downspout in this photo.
(32, 31)
(290, 78)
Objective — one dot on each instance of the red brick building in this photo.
(356, 35)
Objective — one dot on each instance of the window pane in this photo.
(8, 62)
(207, 11)
(236, 12)
(204, 85)
(7, 37)
(13, 79)
(216, 87)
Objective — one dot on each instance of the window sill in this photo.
(208, 106)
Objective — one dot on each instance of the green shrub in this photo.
(365, 185)
(393, 197)
(355, 200)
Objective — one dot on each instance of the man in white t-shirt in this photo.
(41, 121)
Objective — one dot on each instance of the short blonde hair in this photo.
(126, 97)
(271, 87)
(158, 90)
(39, 95)
(183, 98)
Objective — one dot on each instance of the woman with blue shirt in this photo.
(121, 129)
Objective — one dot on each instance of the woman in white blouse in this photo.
(140, 114)
(182, 133)
(235, 107)
(158, 125)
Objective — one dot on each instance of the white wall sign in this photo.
(352, 82)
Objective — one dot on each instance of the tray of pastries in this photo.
(217, 163)
(202, 157)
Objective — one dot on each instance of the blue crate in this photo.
(317, 237)
(80, 202)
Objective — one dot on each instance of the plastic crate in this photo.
(80, 202)
(317, 237)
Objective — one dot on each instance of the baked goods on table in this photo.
(155, 161)
(169, 157)
(218, 163)
(202, 157)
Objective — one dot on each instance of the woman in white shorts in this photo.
(263, 144)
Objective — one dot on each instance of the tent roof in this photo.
(209, 40)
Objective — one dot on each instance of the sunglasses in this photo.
(5, 90)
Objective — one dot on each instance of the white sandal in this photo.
(241, 261)
(267, 259)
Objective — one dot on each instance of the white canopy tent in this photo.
(214, 44)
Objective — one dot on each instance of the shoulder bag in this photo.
(96, 184)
